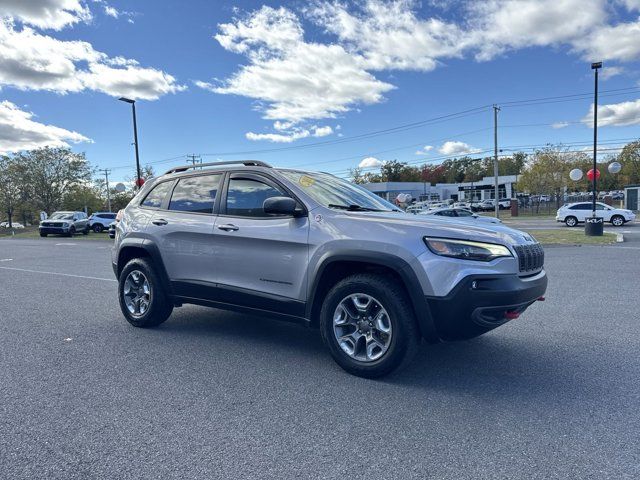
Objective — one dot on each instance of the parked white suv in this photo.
(100, 221)
(574, 213)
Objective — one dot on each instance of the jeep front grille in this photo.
(530, 257)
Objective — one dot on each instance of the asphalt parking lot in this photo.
(209, 394)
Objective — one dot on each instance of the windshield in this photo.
(337, 193)
(62, 216)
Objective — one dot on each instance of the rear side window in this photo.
(582, 206)
(245, 197)
(155, 197)
(195, 194)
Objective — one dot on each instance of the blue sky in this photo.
(213, 78)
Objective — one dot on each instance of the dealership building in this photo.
(481, 190)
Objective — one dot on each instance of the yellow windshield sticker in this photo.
(306, 181)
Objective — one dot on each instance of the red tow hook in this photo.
(511, 314)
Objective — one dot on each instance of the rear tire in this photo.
(43, 234)
(617, 221)
(85, 231)
(374, 353)
(571, 221)
(150, 309)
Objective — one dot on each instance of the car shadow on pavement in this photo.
(495, 365)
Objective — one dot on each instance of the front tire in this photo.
(98, 228)
(43, 234)
(617, 221)
(571, 221)
(142, 296)
(368, 325)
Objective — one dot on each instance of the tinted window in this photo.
(464, 213)
(245, 197)
(447, 213)
(156, 195)
(195, 194)
(582, 206)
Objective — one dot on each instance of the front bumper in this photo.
(54, 230)
(480, 303)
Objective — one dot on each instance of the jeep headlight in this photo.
(65, 224)
(466, 249)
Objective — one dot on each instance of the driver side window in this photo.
(245, 197)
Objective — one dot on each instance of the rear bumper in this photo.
(480, 303)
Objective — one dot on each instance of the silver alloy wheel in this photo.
(617, 221)
(136, 292)
(362, 327)
(571, 222)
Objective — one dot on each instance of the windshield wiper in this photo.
(356, 208)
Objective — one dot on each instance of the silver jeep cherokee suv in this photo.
(312, 248)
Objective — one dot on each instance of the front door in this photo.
(261, 260)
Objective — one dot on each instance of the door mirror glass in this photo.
(279, 206)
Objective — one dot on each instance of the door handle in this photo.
(229, 227)
(160, 222)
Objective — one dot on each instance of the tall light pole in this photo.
(496, 109)
(135, 138)
(594, 226)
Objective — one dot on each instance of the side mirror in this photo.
(281, 206)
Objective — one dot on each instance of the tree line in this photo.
(543, 172)
(49, 179)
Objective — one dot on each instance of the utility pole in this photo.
(106, 176)
(496, 109)
(193, 159)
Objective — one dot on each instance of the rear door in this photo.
(261, 259)
(182, 229)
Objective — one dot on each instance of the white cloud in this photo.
(322, 131)
(612, 42)
(457, 148)
(501, 25)
(389, 35)
(424, 150)
(559, 125)
(616, 114)
(32, 61)
(290, 134)
(609, 72)
(51, 14)
(370, 162)
(294, 80)
(18, 131)
(111, 11)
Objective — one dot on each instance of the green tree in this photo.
(10, 188)
(49, 173)
(630, 160)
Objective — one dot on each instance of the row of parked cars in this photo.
(69, 223)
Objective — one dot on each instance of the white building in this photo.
(480, 190)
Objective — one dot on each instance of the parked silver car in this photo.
(65, 223)
(315, 249)
(461, 214)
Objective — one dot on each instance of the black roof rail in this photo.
(248, 163)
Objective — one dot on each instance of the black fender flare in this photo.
(393, 262)
(152, 251)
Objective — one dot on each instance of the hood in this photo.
(431, 225)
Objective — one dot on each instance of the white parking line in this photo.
(57, 244)
(5, 259)
(60, 274)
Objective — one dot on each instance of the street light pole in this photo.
(135, 138)
(595, 67)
